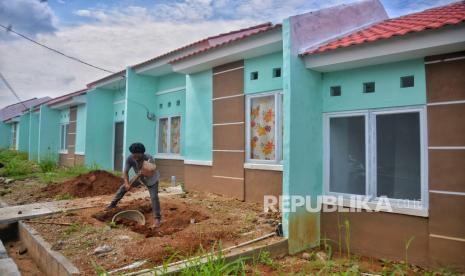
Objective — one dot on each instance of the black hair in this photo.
(137, 148)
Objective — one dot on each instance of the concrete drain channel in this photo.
(53, 263)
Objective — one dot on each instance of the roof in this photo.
(17, 109)
(434, 18)
(209, 42)
(66, 97)
(226, 39)
(109, 77)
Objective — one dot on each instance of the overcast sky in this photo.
(114, 34)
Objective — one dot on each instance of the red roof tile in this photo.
(434, 18)
(208, 42)
(215, 43)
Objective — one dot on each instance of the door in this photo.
(119, 147)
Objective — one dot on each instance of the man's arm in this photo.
(127, 167)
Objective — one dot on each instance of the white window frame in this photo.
(278, 99)
(63, 126)
(169, 155)
(370, 156)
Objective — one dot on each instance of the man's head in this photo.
(137, 150)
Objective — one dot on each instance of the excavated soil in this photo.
(175, 216)
(86, 185)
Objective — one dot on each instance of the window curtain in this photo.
(175, 134)
(262, 128)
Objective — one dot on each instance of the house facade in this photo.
(338, 102)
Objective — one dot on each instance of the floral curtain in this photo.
(262, 128)
(163, 136)
(175, 134)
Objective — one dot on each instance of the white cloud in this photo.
(119, 39)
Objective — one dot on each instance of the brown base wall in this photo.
(380, 235)
(68, 160)
(259, 183)
(169, 167)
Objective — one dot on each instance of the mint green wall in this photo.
(99, 128)
(303, 151)
(5, 135)
(171, 81)
(173, 110)
(33, 136)
(81, 119)
(23, 142)
(49, 133)
(387, 82)
(140, 93)
(64, 116)
(198, 142)
(264, 66)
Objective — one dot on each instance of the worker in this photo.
(146, 173)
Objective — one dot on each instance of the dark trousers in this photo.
(153, 190)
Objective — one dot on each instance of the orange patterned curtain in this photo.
(262, 128)
(175, 134)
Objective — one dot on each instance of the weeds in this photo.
(99, 270)
(347, 237)
(47, 165)
(73, 228)
(64, 197)
(16, 164)
(407, 245)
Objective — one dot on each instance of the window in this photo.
(335, 91)
(376, 153)
(264, 128)
(369, 87)
(407, 81)
(254, 75)
(169, 135)
(276, 72)
(64, 137)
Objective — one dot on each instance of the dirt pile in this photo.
(91, 184)
(175, 217)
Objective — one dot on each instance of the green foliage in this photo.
(61, 174)
(73, 228)
(16, 164)
(64, 197)
(347, 237)
(47, 165)
(99, 270)
(407, 245)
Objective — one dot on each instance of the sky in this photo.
(115, 34)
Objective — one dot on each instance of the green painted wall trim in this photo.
(99, 128)
(387, 86)
(33, 136)
(140, 94)
(303, 151)
(49, 133)
(23, 144)
(264, 65)
(5, 135)
(81, 119)
(198, 142)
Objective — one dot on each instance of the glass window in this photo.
(264, 128)
(175, 135)
(347, 155)
(398, 152)
(64, 137)
(169, 135)
(376, 153)
(163, 135)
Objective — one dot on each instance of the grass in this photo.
(17, 166)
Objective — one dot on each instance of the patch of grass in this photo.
(64, 197)
(16, 164)
(61, 174)
(47, 165)
(73, 228)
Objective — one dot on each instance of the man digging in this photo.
(146, 173)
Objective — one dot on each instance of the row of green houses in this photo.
(342, 101)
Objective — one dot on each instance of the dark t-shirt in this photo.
(136, 165)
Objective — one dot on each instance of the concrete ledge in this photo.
(51, 262)
(8, 268)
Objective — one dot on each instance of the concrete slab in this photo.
(8, 268)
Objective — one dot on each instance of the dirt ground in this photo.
(190, 223)
(86, 185)
(24, 261)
